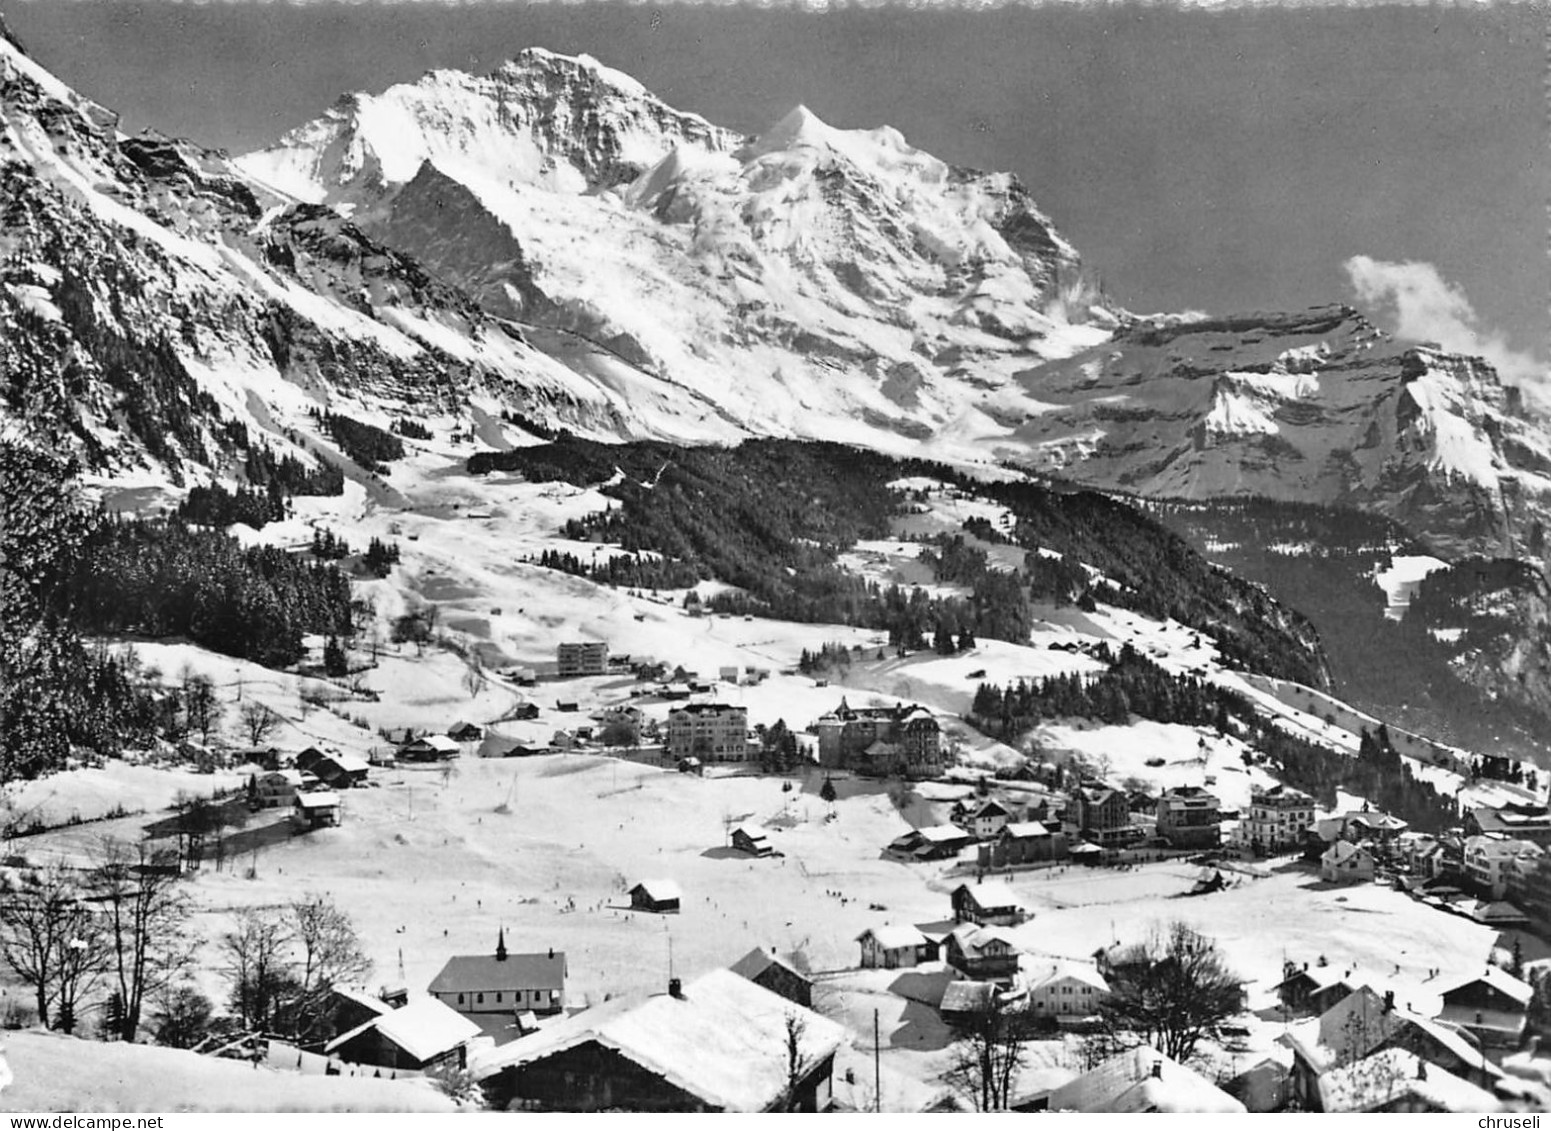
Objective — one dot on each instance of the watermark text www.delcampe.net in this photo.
(90, 1122)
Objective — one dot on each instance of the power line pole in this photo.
(877, 1071)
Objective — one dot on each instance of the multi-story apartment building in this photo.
(1189, 817)
(589, 657)
(712, 732)
(1490, 862)
(1278, 819)
(1101, 815)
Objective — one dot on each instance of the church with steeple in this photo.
(502, 983)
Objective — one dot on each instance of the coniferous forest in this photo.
(770, 517)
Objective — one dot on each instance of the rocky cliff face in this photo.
(1316, 407)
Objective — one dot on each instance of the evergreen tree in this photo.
(335, 662)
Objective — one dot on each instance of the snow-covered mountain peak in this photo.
(552, 122)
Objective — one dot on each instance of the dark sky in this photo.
(1217, 160)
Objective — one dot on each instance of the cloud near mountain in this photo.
(1425, 307)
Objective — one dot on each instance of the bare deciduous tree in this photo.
(1174, 991)
(258, 721)
(51, 939)
(145, 924)
(328, 953)
(257, 962)
(988, 1052)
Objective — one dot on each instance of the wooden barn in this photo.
(661, 896)
(753, 840)
(764, 968)
(423, 1036)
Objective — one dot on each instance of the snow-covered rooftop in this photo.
(723, 1040)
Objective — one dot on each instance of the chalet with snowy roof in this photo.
(1189, 817)
(319, 810)
(981, 953)
(423, 1036)
(1025, 842)
(1346, 863)
(963, 1000)
(934, 842)
(1102, 816)
(766, 968)
(1491, 1006)
(1310, 990)
(348, 1007)
(1139, 1080)
(717, 1044)
(1363, 1023)
(895, 946)
(1063, 989)
(1398, 1080)
(429, 748)
(752, 840)
(340, 771)
(986, 819)
(501, 982)
(899, 740)
(661, 896)
(1519, 821)
(466, 732)
(862, 1084)
(987, 903)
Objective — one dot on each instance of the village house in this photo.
(1491, 1006)
(429, 748)
(582, 658)
(1024, 842)
(987, 903)
(340, 771)
(1397, 1080)
(1311, 990)
(1346, 863)
(348, 1007)
(274, 790)
(1189, 817)
(963, 1001)
(895, 946)
(718, 1044)
(753, 840)
(466, 732)
(712, 732)
(1063, 989)
(661, 896)
(1529, 886)
(1139, 1080)
(899, 740)
(766, 968)
(1517, 821)
(934, 842)
(1101, 815)
(1490, 860)
(985, 819)
(1363, 1023)
(423, 1036)
(502, 983)
(981, 953)
(1278, 819)
(319, 810)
